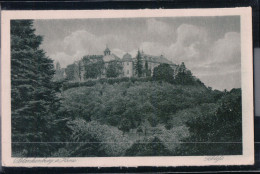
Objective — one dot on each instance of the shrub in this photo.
(69, 85)
(109, 140)
(88, 83)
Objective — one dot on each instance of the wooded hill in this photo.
(152, 116)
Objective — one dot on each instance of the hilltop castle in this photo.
(110, 65)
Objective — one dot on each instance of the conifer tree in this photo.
(139, 66)
(147, 70)
(184, 76)
(33, 94)
(58, 66)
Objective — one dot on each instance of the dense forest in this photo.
(153, 116)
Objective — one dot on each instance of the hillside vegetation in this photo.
(153, 118)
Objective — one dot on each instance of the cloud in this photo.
(76, 45)
(216, 63)
(157, 27)
(226, 50)
(222, 68)
(160, 31)
(188, 47)
(118, 52)
(223, 80)
(63, 58)
(153, 48)
(190, 34)
(82, 42)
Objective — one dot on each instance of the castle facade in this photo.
(110, 65)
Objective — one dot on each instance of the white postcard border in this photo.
(247, 158)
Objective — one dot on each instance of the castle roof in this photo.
(111, 57)
(156, 59)
(127, 57)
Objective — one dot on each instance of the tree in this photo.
(88, 138)
(147, 70)
(114, 69)
(94, 67)
(153, 119)
(80, 68)
(70, 72)
(139, 65)
(33, 93)
(222, 125)
(163, 72)
(184, 76)
(58, 66)
(125, 125)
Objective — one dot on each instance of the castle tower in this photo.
(58, 66)
(107, 51)
(127, 61)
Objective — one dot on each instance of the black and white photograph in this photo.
(128, 86)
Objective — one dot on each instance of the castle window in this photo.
(127, 63)
(127, 71)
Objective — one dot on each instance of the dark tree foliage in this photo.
(146, 65)
(94, 66)
(184, 76)
(127, 104)
(58, 66)
(163, 72)
(70, 72)
(223, 125)
(33, 94)
(153, 119)
(139, 65)
(80, 68)
(125, 125)
(147, 70)
(114, 69)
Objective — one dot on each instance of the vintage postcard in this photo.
(104, 88)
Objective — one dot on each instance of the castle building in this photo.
(150, 62)
(127, 64)
(109, 59)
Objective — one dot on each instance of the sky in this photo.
(209, 46)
